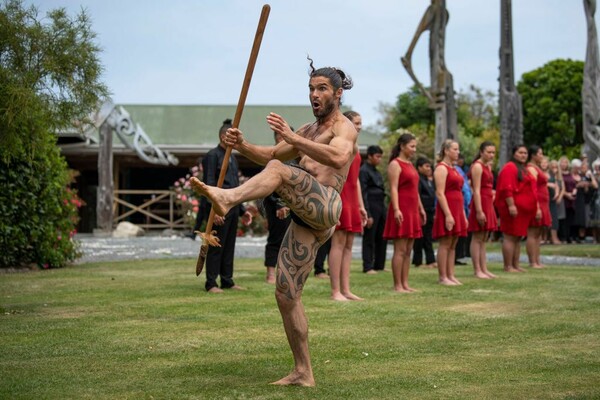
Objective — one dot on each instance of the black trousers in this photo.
(424, 243)
(219, 260)
(277, 229)
(373, 245)
(321, 257)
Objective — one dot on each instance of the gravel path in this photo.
(148, 247)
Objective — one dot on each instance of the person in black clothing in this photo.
(219, 260)
(427, 193)
(373, 192)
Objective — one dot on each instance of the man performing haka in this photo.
(310, 189)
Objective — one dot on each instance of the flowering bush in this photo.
(188, 203)
(186, 200)
(39, 212)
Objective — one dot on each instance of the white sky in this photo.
(196, 51)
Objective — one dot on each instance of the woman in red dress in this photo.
(516, 202)
(352, 220)
(405, 212)
(449, 222)
(482, 215)
(537, 225)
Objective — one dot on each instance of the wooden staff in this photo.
(209, 237)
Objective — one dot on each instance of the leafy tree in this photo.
(49, 80)
(552, 107)
(477, 120)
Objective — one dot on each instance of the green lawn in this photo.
(569, 250)
(147, 330)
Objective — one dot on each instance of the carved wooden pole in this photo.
(511, 109)
(104, 204)
(590, 91)
(441, 91)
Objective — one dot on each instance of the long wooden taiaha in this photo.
(208, 237)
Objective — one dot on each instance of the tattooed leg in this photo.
(296, 259)
(319, 206)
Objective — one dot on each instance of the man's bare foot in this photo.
(401, 290)
(322, 275)
(536, 266)
(211, 193)
(352, 296)
(270, 279)
(236, 287)
(482, 275)
(296, 379)
(519, 269)
(215, 290)
(446, 282)
(431, 266)
(510, 269)
(410, 289)
(338, 297)
(371, 272)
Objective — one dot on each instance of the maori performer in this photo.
(311, 190)
(441, 91)
(591, 85)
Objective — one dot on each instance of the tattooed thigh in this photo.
(297, 257)
(318, 205)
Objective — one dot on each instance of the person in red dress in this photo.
(449, 222)
(516, 202)
(482, 216)
(352, 220)
(405, 212)
(537, 225)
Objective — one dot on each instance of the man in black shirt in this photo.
(427, 194)
(373, 192)
(219, 260)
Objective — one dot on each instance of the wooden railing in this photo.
(157, 208)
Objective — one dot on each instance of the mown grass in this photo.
(147, 329)
(568, 250)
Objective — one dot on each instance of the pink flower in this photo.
(182, 180)
(195, 209)
(176, 183)
(183, 197)
(194, 202)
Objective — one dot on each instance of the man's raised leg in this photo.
(296, 259)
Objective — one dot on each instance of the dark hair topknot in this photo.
(337, 77)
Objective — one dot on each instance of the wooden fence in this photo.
(149, 209)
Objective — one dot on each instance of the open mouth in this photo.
(316, 105)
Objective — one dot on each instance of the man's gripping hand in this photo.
(234, 138)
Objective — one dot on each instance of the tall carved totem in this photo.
(511, 107)
(441, 91)
(590, 91)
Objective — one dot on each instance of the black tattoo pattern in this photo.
(318, 205)
(295, 261)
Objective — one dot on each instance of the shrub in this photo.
(39, 212)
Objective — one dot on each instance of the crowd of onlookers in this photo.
(460, 206)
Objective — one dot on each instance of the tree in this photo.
(477, 116)
(49, 80)
(552, 107)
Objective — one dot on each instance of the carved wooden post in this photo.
(590, 91)
(511, 109)
(441, 92)
(104, 205)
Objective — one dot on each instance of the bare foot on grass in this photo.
(296, 379)
(352, 296)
